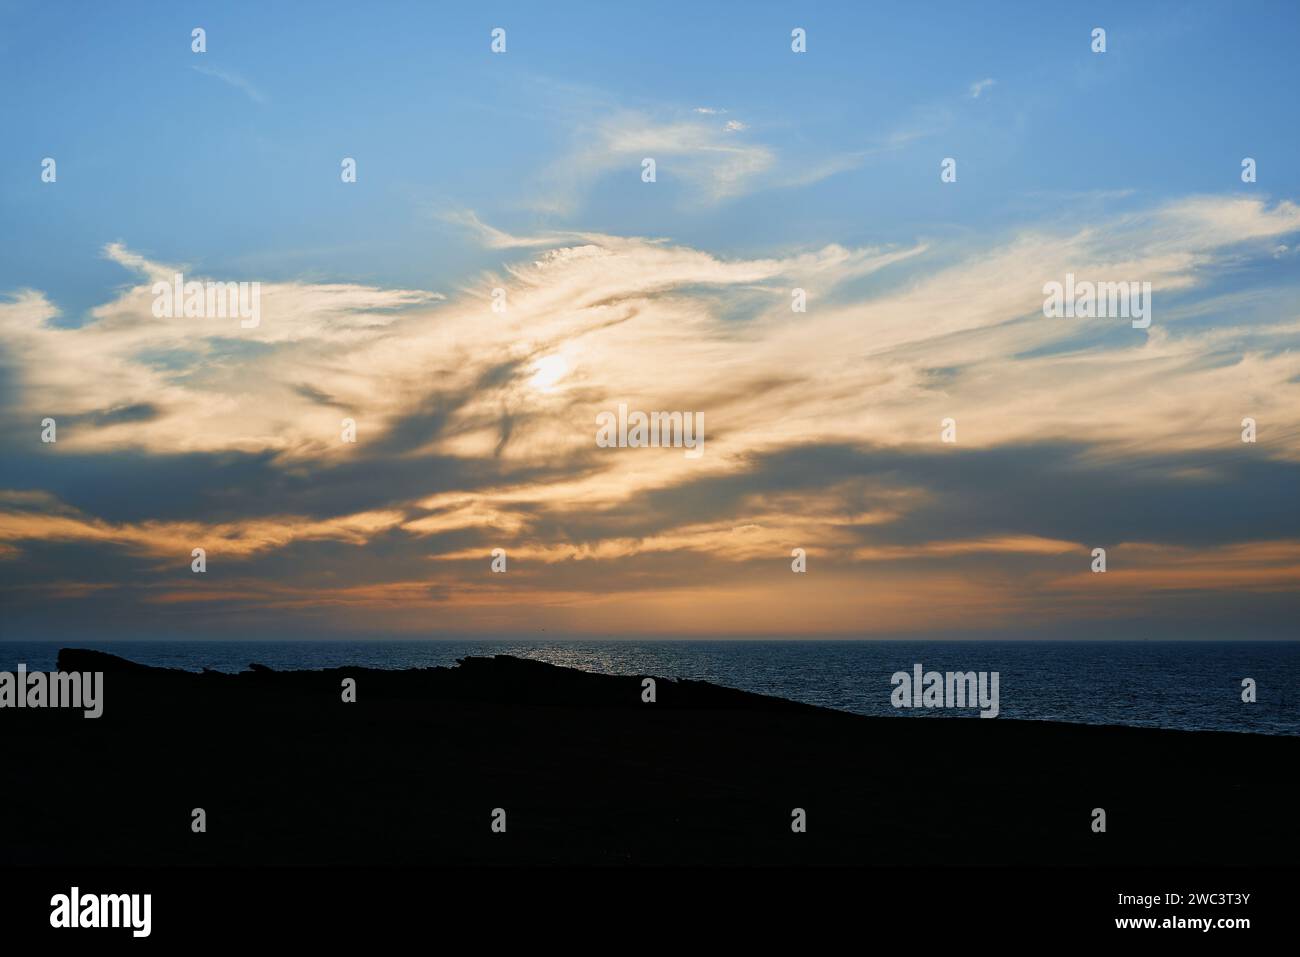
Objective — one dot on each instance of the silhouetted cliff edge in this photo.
(587, 773)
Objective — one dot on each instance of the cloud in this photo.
(713, 163)
(979, 86)
(491, 238)
(234, 80)
(822, 432)
(713, 166)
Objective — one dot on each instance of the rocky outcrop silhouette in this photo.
(589, 773)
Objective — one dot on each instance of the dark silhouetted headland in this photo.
(587, 773)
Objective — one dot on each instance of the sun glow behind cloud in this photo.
(548, 371)
(497, 411)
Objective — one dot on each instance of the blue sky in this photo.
(776, 172)
(241, 173)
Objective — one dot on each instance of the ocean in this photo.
(1165, 684)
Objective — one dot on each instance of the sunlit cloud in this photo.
(475, 427)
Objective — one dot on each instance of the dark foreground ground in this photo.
(588, 774)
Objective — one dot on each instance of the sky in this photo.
(775, 171)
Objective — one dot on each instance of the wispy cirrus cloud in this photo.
(713, 161)
(822, 430)
(699, 153)
(489, 237)
(235, 80)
